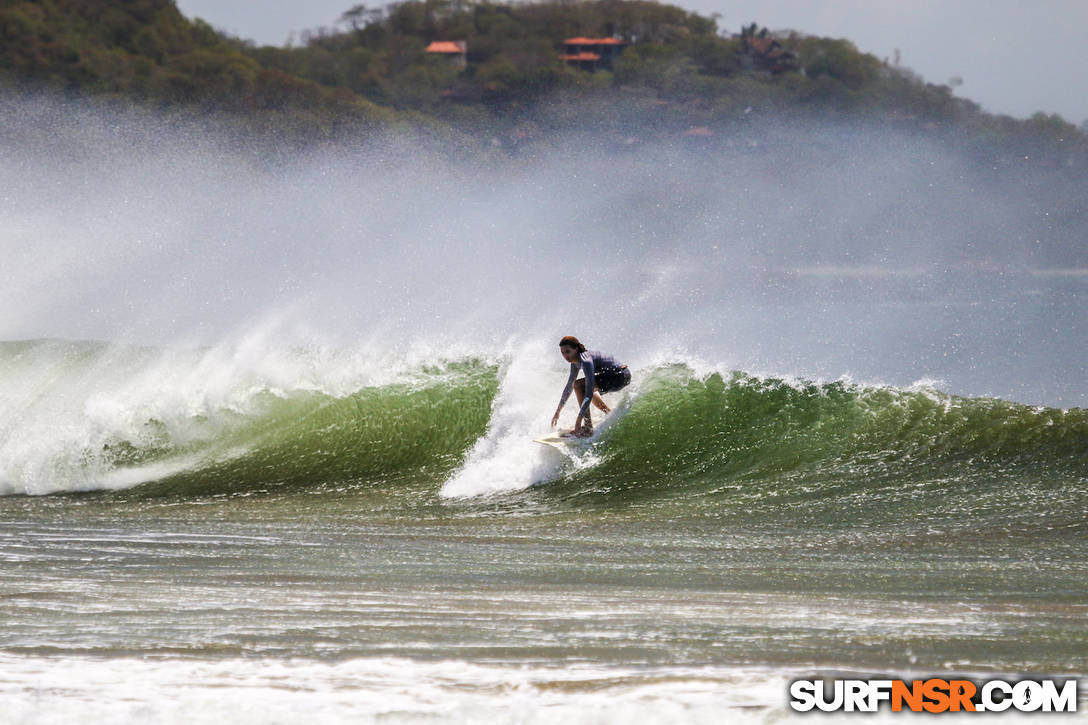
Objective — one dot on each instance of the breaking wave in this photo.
(84, 416)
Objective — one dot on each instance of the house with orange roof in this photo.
(454, 51)
(591, 53)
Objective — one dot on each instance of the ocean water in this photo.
(265, 430)
(404, 551)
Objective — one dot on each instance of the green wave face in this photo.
(79, 416)
(372, 435)
(754, 445)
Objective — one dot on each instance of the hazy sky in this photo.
(1014, 56)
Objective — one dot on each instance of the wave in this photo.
(90, 416)
(81, 416)
(753, 445)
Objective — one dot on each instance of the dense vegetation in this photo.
(680, 75)
(146, 50)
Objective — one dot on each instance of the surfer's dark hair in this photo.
(572, 341)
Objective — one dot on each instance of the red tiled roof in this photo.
(446, 46)
(592, 41)
(581, 56)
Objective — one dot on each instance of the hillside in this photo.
(674, 74)
(146, 51)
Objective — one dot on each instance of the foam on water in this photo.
(387, 690)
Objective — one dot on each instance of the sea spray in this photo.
(820, 251)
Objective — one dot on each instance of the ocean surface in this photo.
(404, 551)
(266, 428)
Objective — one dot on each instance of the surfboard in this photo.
(552, 440)
(560, 441)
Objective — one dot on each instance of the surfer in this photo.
(602, 375)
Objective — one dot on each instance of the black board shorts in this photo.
(611, 379)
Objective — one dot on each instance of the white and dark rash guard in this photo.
(590, 362)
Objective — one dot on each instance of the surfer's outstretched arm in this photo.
(566, 392)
